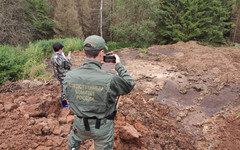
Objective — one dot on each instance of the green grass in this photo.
(12, 60)
(70, 44)
(118, 45)
(28, 62)
(143, 52)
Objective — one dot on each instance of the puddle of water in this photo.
(171, 96)
(212, 104)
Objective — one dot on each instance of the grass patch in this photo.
(118, 45)
(29, 62)
(70, 44)
(143, 52)
(11, 63)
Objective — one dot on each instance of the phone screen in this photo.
(109, 59)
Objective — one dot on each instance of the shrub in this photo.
(69, 45)
(16, 63)
(37, 71)
(11, 63)
(34, 55)
(37, 52)
(133, 21)
(143, 52)
(118, 45)
(37, 19)
(72, 44)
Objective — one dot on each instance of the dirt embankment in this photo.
(186, 97)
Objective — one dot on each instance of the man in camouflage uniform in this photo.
(92, 94)
(61, 65)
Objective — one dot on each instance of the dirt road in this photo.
(186, 97)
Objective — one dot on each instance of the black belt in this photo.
(86, 124)
(98, 121)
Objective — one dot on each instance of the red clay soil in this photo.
(186, 97)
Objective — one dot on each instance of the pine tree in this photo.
(132, 21)
(183, 20)
(37, 19)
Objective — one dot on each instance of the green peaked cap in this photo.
(94, 42)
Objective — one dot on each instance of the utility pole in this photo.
(235, 31)
(111, 17)
(101, 18)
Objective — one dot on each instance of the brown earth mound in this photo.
(186, 97)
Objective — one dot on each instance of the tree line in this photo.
(137, 21)
(22, 21)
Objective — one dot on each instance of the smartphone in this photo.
(109, 59)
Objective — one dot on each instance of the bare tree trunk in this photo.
(111, 15)
(101, 18)
(235, 31)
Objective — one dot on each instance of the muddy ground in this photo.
(186, 98)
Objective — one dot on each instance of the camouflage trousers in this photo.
(103, 137)
(64, 101)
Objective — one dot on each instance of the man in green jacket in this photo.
(92, 94)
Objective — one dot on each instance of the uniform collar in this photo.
(60, 55)
(92, 63)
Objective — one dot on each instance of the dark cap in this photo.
(94, 42)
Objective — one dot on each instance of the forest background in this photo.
(28, 28)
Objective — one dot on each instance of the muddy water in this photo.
(171, 95)
(209, 105)
(214, 103)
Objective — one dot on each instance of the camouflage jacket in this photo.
(92, 92)
(60, 65)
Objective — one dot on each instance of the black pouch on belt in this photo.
(86, 124)
(112, 115)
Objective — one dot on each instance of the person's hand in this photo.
(102, 62)
(69, 54)
(117, 58)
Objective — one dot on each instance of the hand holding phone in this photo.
(109, 59)
(117, 58)
(69, 54)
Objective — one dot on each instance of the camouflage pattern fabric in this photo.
(60, 65)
